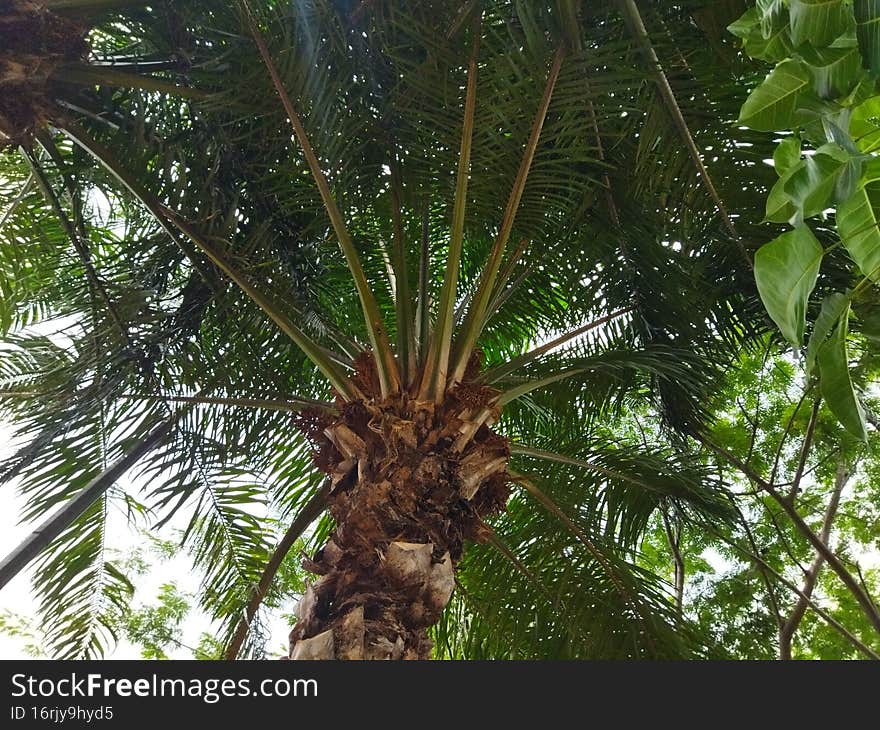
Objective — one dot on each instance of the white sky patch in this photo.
(18, 597)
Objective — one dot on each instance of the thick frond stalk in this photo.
(634, 21)
(502, 371)
(436, 366)
(172, 220)
(475, 319)
(423, 311)
(403, 307)
(289, 405)
(389, 375)
(105, 76)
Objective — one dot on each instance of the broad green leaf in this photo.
(833, 307)
(786, 160)
(785, 272)
(787, 155)
(867, 14)
(835, 70)
(772, 48)
(864, 125)
(857, 219)
(836, 131)
(811, 186)
(817, 22)
(772, 105)
(871, 171)
(836, 384)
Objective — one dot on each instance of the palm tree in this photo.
(408, 262)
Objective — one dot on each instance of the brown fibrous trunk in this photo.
(407, 496)
(33, 42)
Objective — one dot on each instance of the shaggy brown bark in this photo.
(406, 498)
(33, 42)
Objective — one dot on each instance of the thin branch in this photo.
(805, 452)
(786, 633)
(785, 432)
(673, 539)
(828, 618)
(821, 548)
(771, 593)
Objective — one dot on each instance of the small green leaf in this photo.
(779, 208)
(833, 307)
(857, 223)
(787, 155)
(772, 105)
(811, 186)
(836, 384)
(817, 22)
(786, 270)
(746, 25)
(867, 14)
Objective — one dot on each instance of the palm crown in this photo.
(394, 258)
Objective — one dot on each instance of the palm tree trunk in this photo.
(33, 42)
(405, 501)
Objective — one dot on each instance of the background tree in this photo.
(759, 585)
(542, 207)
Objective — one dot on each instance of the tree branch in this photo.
(786, 633)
